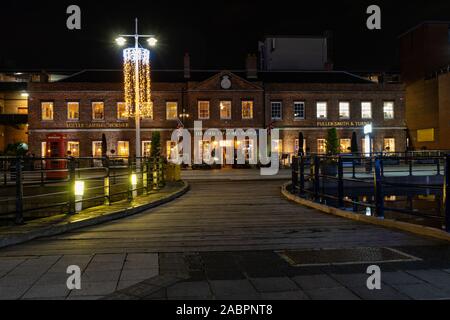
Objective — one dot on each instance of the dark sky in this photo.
(218, 34)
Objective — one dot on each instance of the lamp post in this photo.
(368, 129)
(137, 80)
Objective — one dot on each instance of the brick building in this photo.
(90, 103)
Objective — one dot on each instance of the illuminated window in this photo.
(321, 146)
(203, 110)
(299, 110)
(389, 145)
(297, 146)
(73, 111)
(278, 146)
(123, 148)
(171, 149)
(22, 110)
(388, 110)
(276, 110)
(321, 110)
(146, 148)
(74, 148)
(247, 109)
(225, 110)
(43, 149)
(366, 110)
(344, 110)
(96, 149)
(122, 112)
(172, 110)
(346, 145)
(47, 110)
(98, 111)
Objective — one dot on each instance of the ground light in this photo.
(134, 184)
(79, 193)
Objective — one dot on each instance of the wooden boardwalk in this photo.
(220, 216)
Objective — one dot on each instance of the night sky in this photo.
(217, 34)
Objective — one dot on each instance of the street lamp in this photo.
(137, 81)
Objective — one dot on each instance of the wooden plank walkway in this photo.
(220, 216)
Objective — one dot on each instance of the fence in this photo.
(407, 187)
(41, 187)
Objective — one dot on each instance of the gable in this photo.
(226, 81)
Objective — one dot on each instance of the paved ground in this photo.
(222, 241)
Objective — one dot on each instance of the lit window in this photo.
(171, 149)
(123, 148)
(122, 111)
(299, 110)
(321, 110)
(225, 110)
(96, 149)
(321, 146)
(346, 145)
(73, 111)
(98, 111)
(276, 110)
(146, 148)
(43, 149)
(172, 110)
(22, 110)
(389, 145)
(247, 109)
(203, 109)
(74, 148)
(47, 110)
(344, 110)
(278, 146)
(366, 110)
(388, 110)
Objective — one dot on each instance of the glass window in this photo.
(299, 110)
(98, 111)
(96, 149)
(43, 149)
(47, 110)
(122, 111)
(172, 110)
(346, 145)
(344, 110)
(276, 110)
(389, 145)
(171, 149)
(366, 110)
(297, 146)
(225, 110)
(73, 111)
(74, 148)
(278, 146)
(203, 109)
(321, 110)
(321, 148)
(247, 109)
(388, 110)
(146, 148)
(123, 148)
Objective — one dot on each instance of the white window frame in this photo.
(202, 103)
(344, 104)
(230, 105)
(302, 104)
(366, 104)
(70, 149)
(385, 105)
(94, 148)
(252, 104)
(143, 143)
(321, 104)
(128, 148)
(349, 145)
(279, 106)
(52, 104)
(69, 103)
(118, 113)
(93, 113)
(171, 104)
(324, 146)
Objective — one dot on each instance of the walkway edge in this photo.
(388, 223)
(62, 228)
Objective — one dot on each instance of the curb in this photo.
(70, 226)
(388, 223)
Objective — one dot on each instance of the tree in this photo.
(354, 145)
(156, 145)
(332, 142)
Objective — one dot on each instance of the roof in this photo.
(13, 86)
(114, 76)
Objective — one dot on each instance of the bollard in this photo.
(316, 177)
(71, 186)
(446, 193)
(340, 183)
(130, 186)
(302, 175)
(294, 174)
(378, 185)
(19, 192)
(107, 184)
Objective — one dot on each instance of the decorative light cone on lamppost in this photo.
(137, 82)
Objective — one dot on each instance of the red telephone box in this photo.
(56, 145)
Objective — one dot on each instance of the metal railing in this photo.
(406, 187)
(42, 187)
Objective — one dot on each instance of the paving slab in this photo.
(338, 293)
(189, 289)
(285, 295)
(422, 291)
(319, 281)
(274, 284)
(232, 287)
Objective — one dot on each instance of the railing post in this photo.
(410, 167)
(155, 173)
(294, 174)
(302, 175)
(446, 193)
(144, 169)
(438, 166)
(107, 184)
(340, 183)
(130, 184)
(19, 192)
(316, 177)
(353, 168)
(378, 185)
(71, 190)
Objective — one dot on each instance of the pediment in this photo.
(226, 81)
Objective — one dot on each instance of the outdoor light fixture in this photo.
(368, 128)
(121, 41)
(24, 94)
(134, 182)
(152, 41)
(79, 193)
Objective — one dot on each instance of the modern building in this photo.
(425, 68)
(90, 103)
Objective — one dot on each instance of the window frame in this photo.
(303, 104)
(348, 110)
(230, 109)
(117, 109)
(69, 149)
(93, 113)
(279, 105)
(52, 103)
(362, 110)
(199, 105)
(94, 149)
(326, 110)
(393, 109)
(68, 110)
(244, 103)
(172, 104)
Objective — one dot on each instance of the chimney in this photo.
(187, 66)
(44, 77)
(251, 66)
(329, 36)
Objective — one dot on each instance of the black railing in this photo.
(37, 187)
(417, 188)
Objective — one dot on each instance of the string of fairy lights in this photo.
(141, 57)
